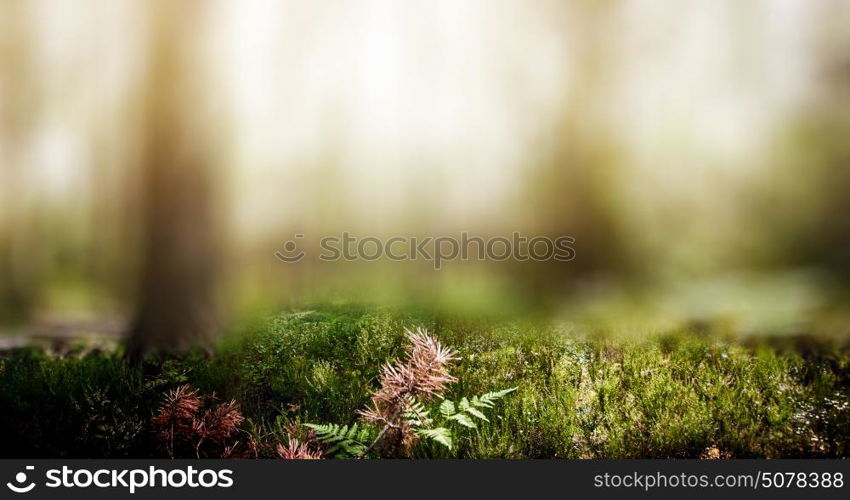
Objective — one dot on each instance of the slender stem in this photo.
(375, 442)
(393, 417)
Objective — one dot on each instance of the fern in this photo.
(488, 400)
(353, 441)
(440, 435)
(447, 408)
(416, 415)
(475, 412)
(344, 441)
(463, 412)
(399, 404)
(465, 409)
(463, 420)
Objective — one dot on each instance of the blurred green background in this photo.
(155, 155)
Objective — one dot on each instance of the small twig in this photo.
(375, 442)
(403, 403)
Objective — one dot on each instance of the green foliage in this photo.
(439, 435)
(71, 407)
(344, 441)
(417, 415)
(670, 395)
(466, 409)
(462, 413)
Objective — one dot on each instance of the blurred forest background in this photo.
(154, 155)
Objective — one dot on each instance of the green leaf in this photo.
(463, 420)
(328, 433)
(464, 404)
(475, 412)
(352, 433)
(345, 441)
(365, 434)
(447, 408)
(488, 400)
(440, 435)
(417, 415)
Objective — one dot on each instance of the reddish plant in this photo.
(176, 416)
(182, 420)
(217, 425)
(420, 375)
(296, 450)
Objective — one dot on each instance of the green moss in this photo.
(673, 395)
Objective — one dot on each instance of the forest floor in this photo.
(579, 394)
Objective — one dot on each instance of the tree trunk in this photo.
(19, 252)
(176, 301)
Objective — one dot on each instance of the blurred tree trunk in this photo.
(19, 275)
(825, 131)
(573, 191)
(176, 301)
(802, 209)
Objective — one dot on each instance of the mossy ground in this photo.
(674, 394)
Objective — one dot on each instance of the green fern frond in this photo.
(417, 415)
(488, 400)
(346, 441)
(447, 408)
(327, 433)
(475, 412)
(440, 435)
(463, 420)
